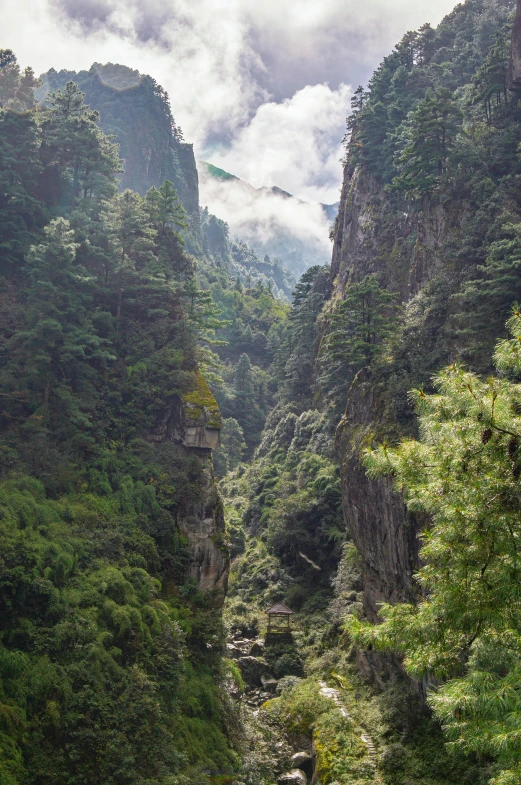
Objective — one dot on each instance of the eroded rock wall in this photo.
(192, 423)
(373, 234)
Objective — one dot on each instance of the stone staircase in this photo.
(335, 695)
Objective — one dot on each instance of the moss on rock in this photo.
(200, 402)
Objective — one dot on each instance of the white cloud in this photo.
(294, 144)
(232, 67)
(268, 221)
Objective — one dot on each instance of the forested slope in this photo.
(424, 274)
(118, 308)
(109, 652)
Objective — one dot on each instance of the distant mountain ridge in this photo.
(330, 210)
(269, 219)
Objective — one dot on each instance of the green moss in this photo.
(200, 402)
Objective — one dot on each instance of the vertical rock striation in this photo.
(514, 69)
(193, 424)
(374, 235)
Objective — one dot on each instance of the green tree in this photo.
(167, 217)
(466, 630)
(16, 87)
(57, 355)
(356, 336)
(489, 84)
(21, 213)
(427, 139)
(231, 451)
(79, 160)
(487, 297)
(296, 356)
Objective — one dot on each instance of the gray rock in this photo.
(303, 761)
(257, 648)
(268, 682)
(293, 777)
(233, 651)
(252, 668)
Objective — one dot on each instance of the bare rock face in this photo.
(373, 236)
(204, 529)
(383, 530)
(193, 423)
(514, 69)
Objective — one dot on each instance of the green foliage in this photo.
(489, 83)
(296, 357)
(228, 456)
(464, 473)
(109, 654)
(388, 116)
(426, 141)
(135, 111)
(357, 330)
(78, 159)
(96, 683)
(16, 87)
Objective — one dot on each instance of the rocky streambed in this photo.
(261, 686)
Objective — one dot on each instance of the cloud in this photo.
(294, 144)
(223, 61)
(268, 221)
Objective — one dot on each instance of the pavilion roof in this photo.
(280, 608)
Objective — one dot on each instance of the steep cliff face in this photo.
(422, 248)
(514, 70)
(374, 235)
(193, 424)
(135, 110)
(382, 529)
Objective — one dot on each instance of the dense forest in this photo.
(176, 411)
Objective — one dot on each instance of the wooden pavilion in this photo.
(278, 619)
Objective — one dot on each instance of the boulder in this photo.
(293, 777)
(257, 648)
(233, 651)
(252, 668)
(303, 761)
(268, 682)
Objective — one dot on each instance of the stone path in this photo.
(334, 695)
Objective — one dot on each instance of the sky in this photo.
(261, 87)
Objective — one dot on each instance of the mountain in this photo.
(270, 220)
(167, 420)
(134, 109)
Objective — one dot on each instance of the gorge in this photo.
(190, 435)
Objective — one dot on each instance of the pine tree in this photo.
(79, 160)
(21, 213)
(426, 142)
(54, 354)
(358, 329)
(466, 629)
(167, 217)
(16, 87)
(489, 83)
(298, 351)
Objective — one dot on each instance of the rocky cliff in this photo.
(135, 110)
(373, 234)
(514, 70)
(193, 424)
(422, 247)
